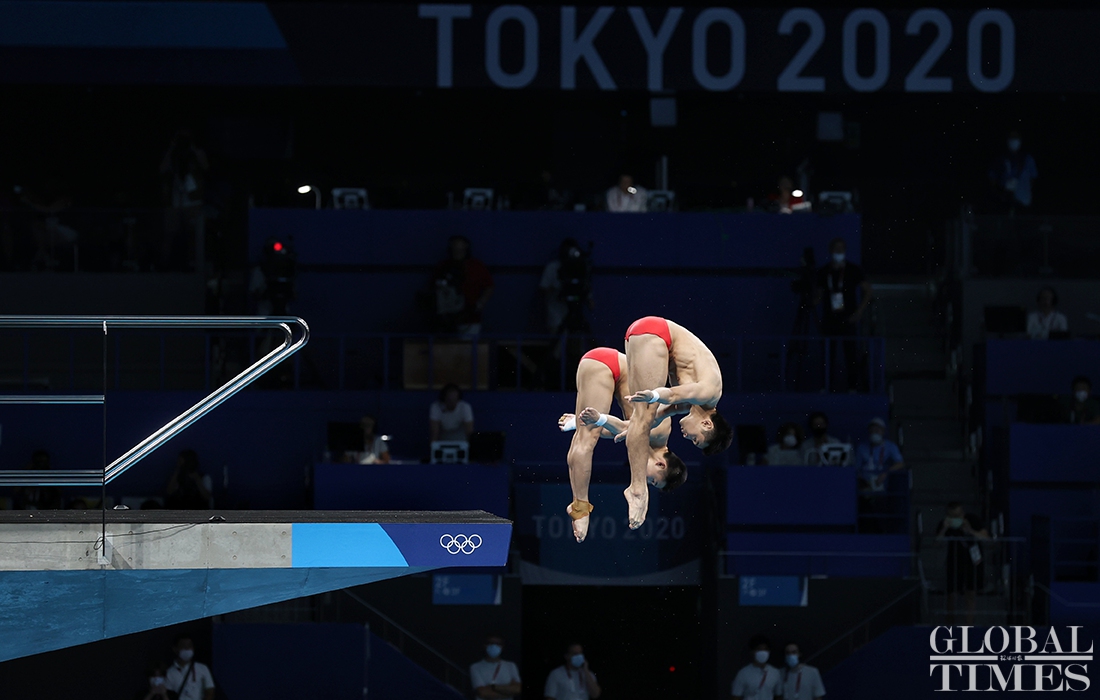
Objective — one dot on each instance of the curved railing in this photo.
(112, 470)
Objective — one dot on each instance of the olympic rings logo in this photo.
(460, 543)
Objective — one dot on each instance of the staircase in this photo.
(931, 428)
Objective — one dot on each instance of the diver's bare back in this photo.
(691, 363)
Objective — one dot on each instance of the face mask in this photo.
(1014, 145)
(790, 440)
(819, 430)
(186, 654)
(762, 657)
(1081, 396)
(493, 650)
(876, 438)
(792, 660)
(156, 681)
(577, 660)
(838, 258)
(954, 523)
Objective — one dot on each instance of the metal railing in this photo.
(112, 470)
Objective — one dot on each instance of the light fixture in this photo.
(306, 189)
(632, 190)
(796, 193)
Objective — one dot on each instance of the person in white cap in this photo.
(877, 456)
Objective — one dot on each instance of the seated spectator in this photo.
(759, 680)
(819, 437)
(189, 488)
(625, 197)
(1081, 408)
(877, 457)
(463, 286)
(785, 201)
(786, 450)
(1045, 319)
(450, 418)
(37, 497)
(494, 678)
(186, 678)
(375, 450)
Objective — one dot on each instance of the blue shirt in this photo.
(1015, 175)
(872, 460)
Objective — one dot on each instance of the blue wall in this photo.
(270, 440)
(1038, 367)
(715, 273)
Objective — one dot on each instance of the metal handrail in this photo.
(43, 477)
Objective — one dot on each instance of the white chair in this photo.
(660, 200)
(835, 201)
(350, 198)
(477, 198)
(450, 452)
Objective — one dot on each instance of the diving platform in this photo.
(62, 583)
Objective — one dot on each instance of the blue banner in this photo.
(466, 589)
(664, 551)
(775, 591)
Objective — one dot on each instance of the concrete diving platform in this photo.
(62, 585)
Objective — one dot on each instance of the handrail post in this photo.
(431, 361)
(385, 361)
(783, 364)
(740, 360)
(26, 362)
(828, 370)
(340, 349)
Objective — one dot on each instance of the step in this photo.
(914, 354)
(926, 398)
(932, 433)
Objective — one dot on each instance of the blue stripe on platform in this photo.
(118, 25)
(328, 545)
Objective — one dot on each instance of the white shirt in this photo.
(198, 680)
(617, 200)
(373, 452)
(451, 422)
(486, 672)
(755, 683)
(556, 309)
(566, 684)
(803, 683)
(1039, 326)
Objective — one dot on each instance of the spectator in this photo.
(493, 678)
(625, 197)
(183, 170)
(572, 680)
(451, 419)
(800, 681)
(567, 288)
(787, 199)
(51, 237)
(1045, 319)
(158, 683)
(1081, 408)
(840, 283)
(1011, 176)
(759, 680)
(189, 488)
(819, 437)
(37, 497)
(965, 573)
(463, 286)
(786, 450)
(186, 678)
(375, 449)
(877, 457)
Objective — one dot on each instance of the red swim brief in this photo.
(608, 356)
(651, 325)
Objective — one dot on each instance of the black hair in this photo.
(757, 640)
(457, 237)
(180, 637)
(1053, 295)
(817, 414)
(721, 435)
(190, 459)
(448, 387)
(1082, 379)
(570, 645)
(676, 473)
(836, 240)
(953, 505)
